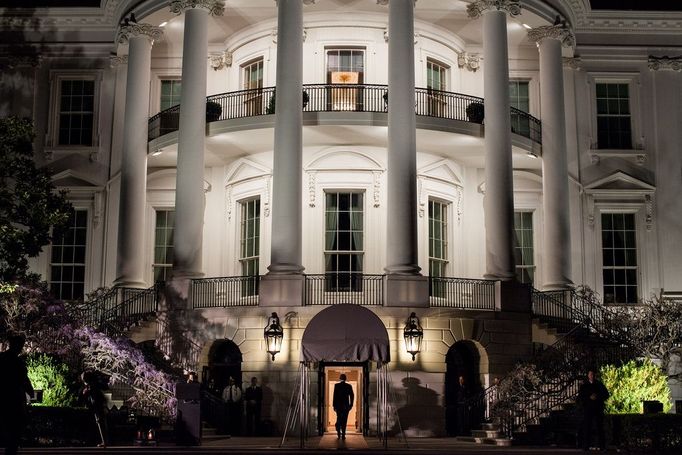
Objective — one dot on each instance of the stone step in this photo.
(502, 442)
(490, 426)
(485, 434)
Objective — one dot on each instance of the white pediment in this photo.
(619, 182)
(442, 170)
(244, 169)
(70, 179)
(343, 160)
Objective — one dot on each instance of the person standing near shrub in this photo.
(14, 387)
(93, 395)
(591, 397)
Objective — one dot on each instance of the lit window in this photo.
(619, 258)
(344, 241)
(519, 99)
(614, 129)
(163, 244)
(523, 247)
(252, 76)
(170, 93)
(250, 244)
(67, 260)
(435, 75)
(438, 244)
(76, 112)
(345, 67)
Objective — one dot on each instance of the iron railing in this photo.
(461, 293)
(335, 288)
(177, 346)
(136, 305)
(344, 98)
(230, 291)
(550, 307)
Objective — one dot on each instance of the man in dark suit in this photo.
(253, 396)
(343, 402)
(592, 397)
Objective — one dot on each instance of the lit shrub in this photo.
(633, 383)
(54, 379)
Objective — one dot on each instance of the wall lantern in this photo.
(413, 334)
(274, 333)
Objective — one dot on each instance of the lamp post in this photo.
(274, 333)
(413, 334)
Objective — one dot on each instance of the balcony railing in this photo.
(230, 291)
(461, 293)
(335, 288)
(344, 98)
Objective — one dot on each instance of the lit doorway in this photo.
(358, 378)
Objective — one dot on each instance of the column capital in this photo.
(132, 30)
(477, 8)
(305, 2)
(559, 32)
(116, 60)
(214, 7)
(665, 63)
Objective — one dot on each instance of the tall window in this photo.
(438, 244)
(519, 99)
(250, 243)
(614, 129)
(76, 112)
(619, 258)
(67, 260)
(252, 77)
(163, 244)
(523, 247)
(344, 241)
(435, 75)
(170, 93)
(345, 66)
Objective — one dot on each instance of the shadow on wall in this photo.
(421, 415)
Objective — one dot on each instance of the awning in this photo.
(345, 333)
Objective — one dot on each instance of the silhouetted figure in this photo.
(14, 386)
(343, 403)
(462, 414)
(232, 396)
(92, 394)
(591, 397)
(253, 397)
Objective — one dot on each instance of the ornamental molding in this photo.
(20, 61)
(118, 60)
(649, 210)
(274, 32)
(376, 188)
(214, 7)
(477, 8)
(471, 62)
(665, 63)
(572, 62)
(266, 196)
(220, 60)
(311, 188)
(417, 35)
(132, 30)
(560, 33)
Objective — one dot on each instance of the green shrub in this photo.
(632, 383)
(54, 379)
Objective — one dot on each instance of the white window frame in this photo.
(56, 78)
(533, 89)
(448, 234)
(156, 210)
(87, 208)
(446, 73)
(363, 252)
(155, 89)
(241, 206)
(535, 243)
(633, 82)
(245, 64)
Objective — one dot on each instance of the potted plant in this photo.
(271, 104)
(213, 111)
(475, 112)
(385, 97)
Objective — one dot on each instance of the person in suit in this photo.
(592, 396)
(343, 402)
(232, 396)
(253, 397)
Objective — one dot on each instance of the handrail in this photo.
(461, 293)
(229, 291)
(334, 288)
(135, 305)
(181, 350)
(344, 98)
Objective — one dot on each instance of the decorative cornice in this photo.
(132, 30)
(560, 33)
(116, 60)
(469, 61)
(416, 36)
(385, 2)
(665, 63)
(477, 8)
(273, 34)
(214, 7)
(16, 61)
(572, 62)
(221, 60)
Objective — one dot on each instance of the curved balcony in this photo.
(365, 98)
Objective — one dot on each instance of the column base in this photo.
(281, 290)
(126, 283)
(513, 296)
(558, 286)
(406, 291)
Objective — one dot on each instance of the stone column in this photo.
(556, 214)
(499, 190)
(283, 285)
(189, 191)
(130, 259)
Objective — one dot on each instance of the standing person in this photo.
(14, 386)
(232, 396)
(343, 403)
(93, 395)
(591, 397)
(461, 399)
(253, 397)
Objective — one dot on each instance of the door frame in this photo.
(321, 398)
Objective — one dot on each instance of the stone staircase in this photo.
(489, 434)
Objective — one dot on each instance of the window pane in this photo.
(619, 258)
(67, 258)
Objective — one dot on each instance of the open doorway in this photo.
(358, 378)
